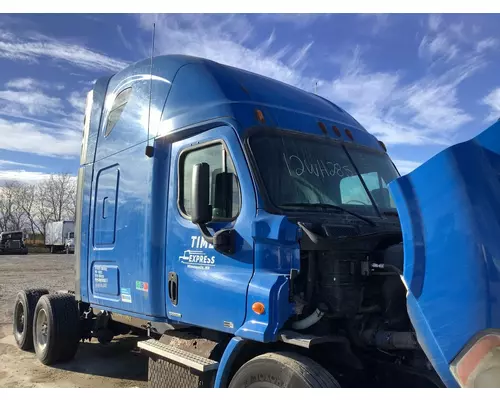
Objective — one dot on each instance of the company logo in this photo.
(197, 258)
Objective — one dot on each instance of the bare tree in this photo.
(28, 202)
(30, 207)
(57, 194)
(11, 214)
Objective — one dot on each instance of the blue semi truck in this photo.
(256, 235)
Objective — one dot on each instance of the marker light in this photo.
(260, 116)
(258, 308)
(349, 134)
(478, 365)
(322, 126)
(337, 131)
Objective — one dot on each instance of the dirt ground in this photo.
(117, 364)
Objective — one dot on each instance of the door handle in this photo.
(104, 201)
(173, 287)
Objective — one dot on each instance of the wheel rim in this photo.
(42, 329)
(20, 318)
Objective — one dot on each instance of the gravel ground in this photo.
(117, 364)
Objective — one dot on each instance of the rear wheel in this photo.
(24, 309)
(56, 328)
(282, 370)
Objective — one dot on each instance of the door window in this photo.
(225, 196)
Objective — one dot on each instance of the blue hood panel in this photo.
(449, 210)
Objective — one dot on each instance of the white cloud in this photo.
(124, 40)
(32, 103)
(22, 176)
(299, 20)
(23, 84)
(488, 43)
(222, 40)
(406, 166)
(380, 21)
(18, 164)
(77, 100)
(30, 138)
(434, 22)
(36, 47)
(439, 47)
(492, 100)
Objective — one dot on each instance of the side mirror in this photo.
(201, 211)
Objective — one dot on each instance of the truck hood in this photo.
(449, 210)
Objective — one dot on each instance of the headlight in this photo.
(478, 365)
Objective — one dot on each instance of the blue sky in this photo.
(419, 82)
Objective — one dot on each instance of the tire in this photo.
(56, 328)
(282, 370)
(24, 310)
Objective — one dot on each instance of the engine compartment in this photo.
(350, 287)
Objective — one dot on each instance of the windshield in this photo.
(299, 171)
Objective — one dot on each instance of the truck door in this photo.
(205, 287)
(449, 213)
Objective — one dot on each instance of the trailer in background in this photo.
(59, 236)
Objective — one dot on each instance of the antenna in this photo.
(150, 149)
(316, 88)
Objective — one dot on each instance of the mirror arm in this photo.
(206, 233)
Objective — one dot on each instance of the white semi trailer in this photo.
(59, 236)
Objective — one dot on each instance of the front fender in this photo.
(449, 210)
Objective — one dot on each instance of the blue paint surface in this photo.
(448, 209)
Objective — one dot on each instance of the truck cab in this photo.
(245, 225)
(12, 242)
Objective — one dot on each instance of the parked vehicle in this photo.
(60, 236)
(12, 243)
(259, 236)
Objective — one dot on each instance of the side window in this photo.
(117, 109)
(225, 196)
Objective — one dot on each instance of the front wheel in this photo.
(282, 370)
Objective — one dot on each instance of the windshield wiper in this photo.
(331, 206)
(393, 213)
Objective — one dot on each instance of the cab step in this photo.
(178, 356)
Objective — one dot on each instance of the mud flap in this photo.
(449, 210)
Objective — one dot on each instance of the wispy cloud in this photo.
(406, 166)
(32, 84)
(77, 100)
(379, 22)
(35, 47)
(19, 164)
(29, 102)
(36, 139)
(122, 37)
(223, 42)
(299, 20)
(20, 175)
(488, 43)
(492, 100)
(437, 48)
(434, 22)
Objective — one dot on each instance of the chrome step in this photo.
(182, 357)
